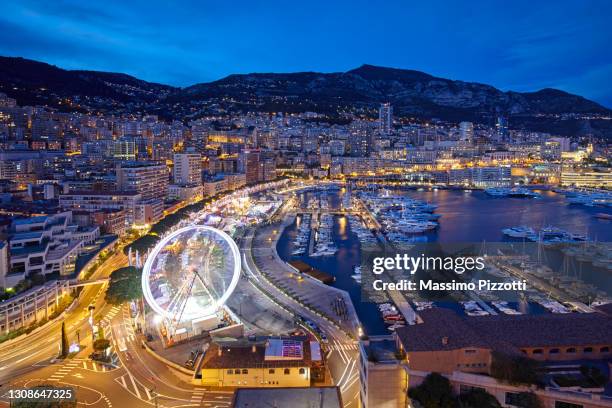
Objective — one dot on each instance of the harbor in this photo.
(345, 223)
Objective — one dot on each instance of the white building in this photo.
(149, 179)
(187, 169)
(94, 202)
(45, 244)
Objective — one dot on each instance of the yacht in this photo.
(520, 232)
(497, 191)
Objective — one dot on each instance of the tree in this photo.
(514, 369)
(65, 345)
(142, 244)
(434, 392)
(594, 374)
(101, 344)
(478, 398)
(124, 285)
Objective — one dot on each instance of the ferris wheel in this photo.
(191, 273)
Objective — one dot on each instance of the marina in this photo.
(389, 218)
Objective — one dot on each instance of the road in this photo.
(342, 351)
(25, 353)
(137, 379)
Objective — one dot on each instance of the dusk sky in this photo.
(518, 45)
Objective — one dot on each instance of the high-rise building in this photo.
(149, 179)
(466, 130)
(501, 126)
(250, 165)
(385, 118)
(361, 144)
(337, 147)
(187, 169)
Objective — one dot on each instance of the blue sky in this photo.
(518, 45)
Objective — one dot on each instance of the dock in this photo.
(404, 307)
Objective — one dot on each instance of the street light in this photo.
(91, 308)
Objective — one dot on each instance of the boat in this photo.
(603, 216)
(523, 192)
(395, 326)
(520, 232)
(497, 191)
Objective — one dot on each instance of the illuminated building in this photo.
(149, 179)
(269, 362)
(187, 168)
(586, 178)
(385, 118)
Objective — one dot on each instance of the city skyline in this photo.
(368, 217)
(523, 51)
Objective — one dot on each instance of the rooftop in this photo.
(381, 349)
(443, 329)
(270, 353)
(322, 397)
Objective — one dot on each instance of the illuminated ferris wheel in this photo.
(191, 273)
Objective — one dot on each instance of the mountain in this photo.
(33, 82)
(412, 93)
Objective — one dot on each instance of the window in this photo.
(570, 350)
(245, 371)
(230, 372)
(554, 351)
(271, 371)
(588, 349)
(513, 398)
(464, 389)
(470, 351)
(537, 351)
(287, 371)
(563, 404)
(605, 349)
(302, 371)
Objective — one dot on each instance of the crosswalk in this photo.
(80, 364)
(64, 370)
(96, 366)
(197, 396)
(111, 314)
(345, 347)
(127, 324)
(211, 399)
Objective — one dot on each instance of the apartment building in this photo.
(187, 169)
(45, 245)
(149, 179)
(463, 349)
(95, 202)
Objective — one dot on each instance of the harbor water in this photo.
(466, 217)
